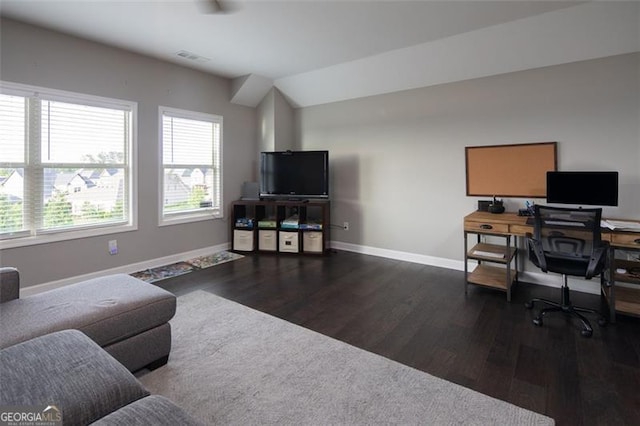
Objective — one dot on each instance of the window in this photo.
(65, 165)
(191, 175)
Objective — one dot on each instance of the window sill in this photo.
(188, 218)
(64, 236)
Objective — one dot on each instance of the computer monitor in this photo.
(583, 188)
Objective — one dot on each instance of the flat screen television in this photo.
(583, 188)
(294, 174)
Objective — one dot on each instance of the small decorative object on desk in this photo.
(496, 206)
(528, 211)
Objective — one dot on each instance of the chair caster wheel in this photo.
(538, 321)
(586, 333)
(602, 322)
(528, 305)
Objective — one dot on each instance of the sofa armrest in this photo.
(9, 284)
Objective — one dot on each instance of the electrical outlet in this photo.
(345, 226)
(113, 247)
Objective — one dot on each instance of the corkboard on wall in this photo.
(518, 170)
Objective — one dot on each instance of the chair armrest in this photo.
(9, 284)
(598, 256)
(536, 253)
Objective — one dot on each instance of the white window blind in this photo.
(191, 146)
(65, 165)
(12, 162)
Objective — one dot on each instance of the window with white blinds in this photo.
(191, 175)
(65, 165)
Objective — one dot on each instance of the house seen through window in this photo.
(191, 145)
(65, 164)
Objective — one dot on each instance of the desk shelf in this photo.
(494, 269)
(629, 265)
(623, 299)
(627, 300)
(491, 276)
(507, 254)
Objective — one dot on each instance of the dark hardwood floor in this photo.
(418, 315)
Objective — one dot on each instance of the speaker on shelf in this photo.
(250, 191)
(483, 205)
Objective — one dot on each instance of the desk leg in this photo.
(466, 267)
(508, 269)
(611, 282)
(515, 241)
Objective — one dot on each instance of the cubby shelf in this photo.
(257, 226)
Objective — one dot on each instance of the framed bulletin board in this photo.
(518, 170)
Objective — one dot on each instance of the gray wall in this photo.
(31, 55)
(266, 111)
(275, 123)
(397, 159)
(398, 168)
(283, 122)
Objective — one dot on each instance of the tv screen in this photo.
(583, 188)
(294, 174)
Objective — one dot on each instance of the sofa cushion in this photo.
(152, 410)
(67, 370)
(107, 309)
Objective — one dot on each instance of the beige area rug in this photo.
(234, 365)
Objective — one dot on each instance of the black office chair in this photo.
(567, 241)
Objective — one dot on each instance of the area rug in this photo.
(179, 268)
(232, 365)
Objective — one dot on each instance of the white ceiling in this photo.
(320, 51)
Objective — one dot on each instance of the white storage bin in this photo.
(267, 240)
(288, 242)
(243, 240)
(312, 242)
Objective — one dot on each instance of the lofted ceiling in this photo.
(318, 51)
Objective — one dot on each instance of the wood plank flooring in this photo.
(419, 315)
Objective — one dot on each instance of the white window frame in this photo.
(214, 212)
(30, 237)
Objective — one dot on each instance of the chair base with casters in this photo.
(567, 308)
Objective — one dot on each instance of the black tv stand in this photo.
(257, 226)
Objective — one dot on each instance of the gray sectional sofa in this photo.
(70, 378)
(127, 317)
(70, 351)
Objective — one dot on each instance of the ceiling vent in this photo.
(192, 56)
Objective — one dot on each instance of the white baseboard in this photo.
(540, 278)
(400, 255)
(126, 269)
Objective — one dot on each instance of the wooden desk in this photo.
(620, 298)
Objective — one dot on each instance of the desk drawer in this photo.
(521, 230)
(627, 240)
(488, 227)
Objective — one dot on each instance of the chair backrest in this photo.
(567, 233)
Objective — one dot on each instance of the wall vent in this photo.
(192, 56)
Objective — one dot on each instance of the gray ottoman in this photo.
(68, 371)
(128, 317)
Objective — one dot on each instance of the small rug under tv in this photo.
(179, 268)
